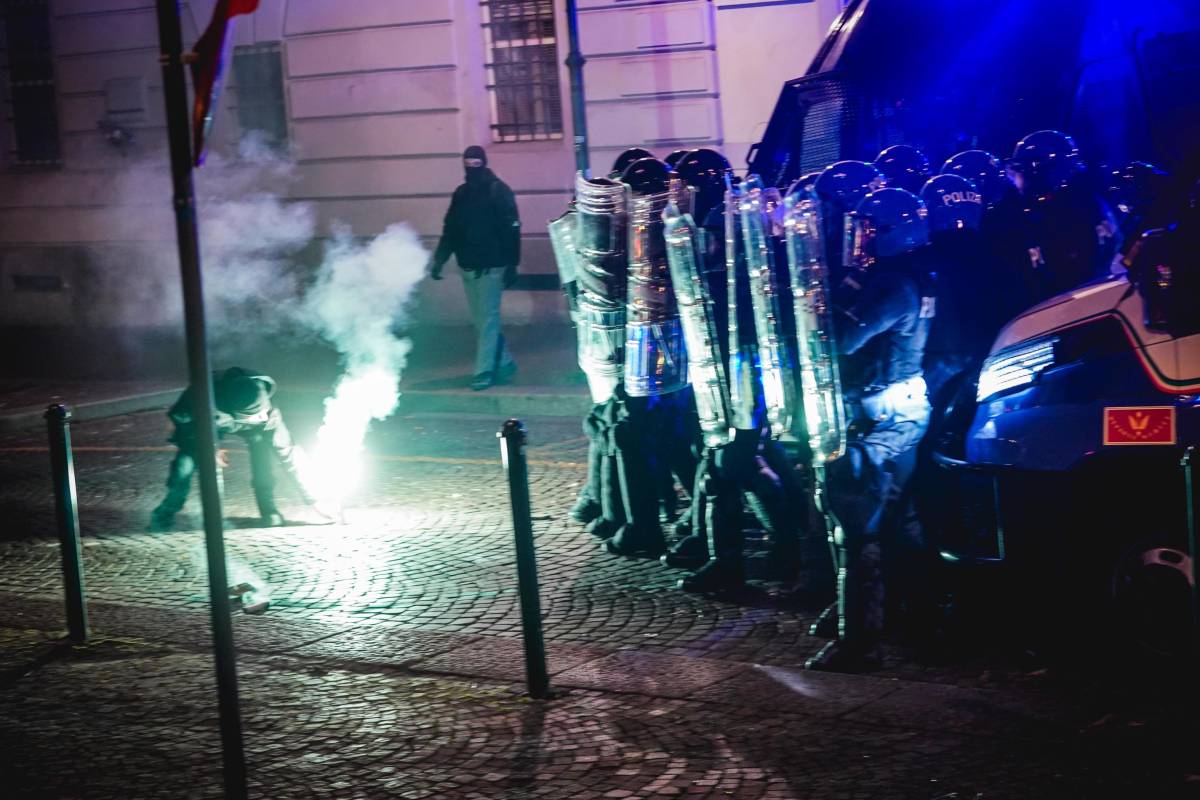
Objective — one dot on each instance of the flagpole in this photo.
(200, 381)
(575, 61)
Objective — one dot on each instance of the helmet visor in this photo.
(858, 243)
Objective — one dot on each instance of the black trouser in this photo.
(749, 466)
(266, 443)
(866, 493)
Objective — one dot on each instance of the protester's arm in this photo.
(508, 219)
(447, 243)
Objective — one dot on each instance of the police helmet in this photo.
(675, 157)
(1134, 188)
(904, 167)
(983, 170)
(1044, 162)
(804, 183)
(626, 158)
(888, 222)
(702, 168)
(953, 203)
(647, 176)
(845, 183)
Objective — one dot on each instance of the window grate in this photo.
(523, 74)
(31, 82)
(258, 74)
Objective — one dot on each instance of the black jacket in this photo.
(180, 413)
(482, 228)
(881, 329)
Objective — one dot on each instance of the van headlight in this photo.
(1014, 367)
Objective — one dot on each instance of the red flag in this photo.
(208, 67)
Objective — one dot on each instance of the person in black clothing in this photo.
(1073, 231)
(243, 407)
(882, 319)
(482, 230)
(976, 292)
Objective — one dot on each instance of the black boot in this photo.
(586, 508)
(825, 626)
(841, 657)
(689, 552)
(635, 542)
(715, 577)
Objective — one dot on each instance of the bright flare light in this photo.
(334, 466)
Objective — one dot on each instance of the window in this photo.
(523, 76)
(258, 78)
(34, 105)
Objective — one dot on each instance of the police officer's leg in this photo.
(723, 486)
(642, 532)
(855, 496)
(179, 485)
(607, 481)
(587, 503)
(691, 551)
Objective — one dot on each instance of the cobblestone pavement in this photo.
(387, 664)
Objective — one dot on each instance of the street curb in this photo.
(22, 418)
(494, 403)
(411, 402)
(853, 699)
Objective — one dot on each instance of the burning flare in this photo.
(360, 293)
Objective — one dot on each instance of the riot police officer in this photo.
(904, 167)
(841, 187)
(1073, 231)
(1004, 234)
(969, 309)
(883, 314)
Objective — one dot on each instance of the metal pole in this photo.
(575, 62)
(512, 452)
(67, 511)
(200, 381)
(1193, 545)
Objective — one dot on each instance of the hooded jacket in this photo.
(482, 228)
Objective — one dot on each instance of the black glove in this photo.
(510, 276)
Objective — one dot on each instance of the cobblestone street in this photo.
(390, 663)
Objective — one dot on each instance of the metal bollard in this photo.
(1193, 545)
(62, 466)
(512, 453)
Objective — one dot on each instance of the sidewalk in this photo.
(344, 711)
(437, 380)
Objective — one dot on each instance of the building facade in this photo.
(374, 100)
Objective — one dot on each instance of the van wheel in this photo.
(1150, 593)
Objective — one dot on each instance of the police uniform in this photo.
(882, 322)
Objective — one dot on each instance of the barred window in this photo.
(34, 103)
(258, 81)
(523, 75)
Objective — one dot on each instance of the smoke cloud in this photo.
(359, 296)
(254, 244)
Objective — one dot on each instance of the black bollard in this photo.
(512, 452)
(67, 511)
(1193, 545)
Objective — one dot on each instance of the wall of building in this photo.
(382, 96)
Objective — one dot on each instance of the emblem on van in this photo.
(1139, 425)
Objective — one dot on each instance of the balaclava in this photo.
(474, 161)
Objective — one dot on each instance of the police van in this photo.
(1068, 461)
(1060, 458)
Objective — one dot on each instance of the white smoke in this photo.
(359, 296)
(250, 240)
(255, 284)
